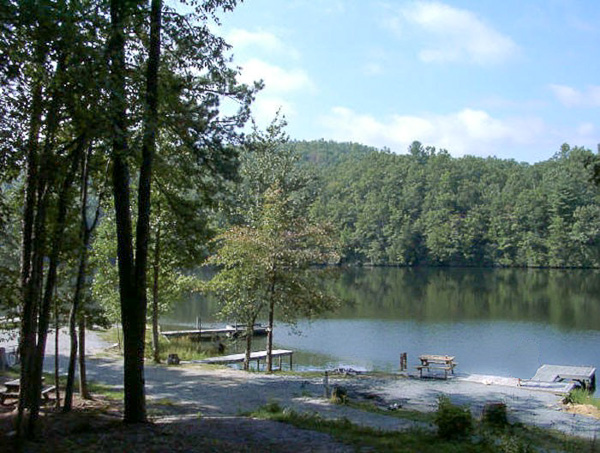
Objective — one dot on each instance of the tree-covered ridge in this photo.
(429, 208)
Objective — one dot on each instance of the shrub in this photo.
(451, 420)
(494, 414)
(581, 396)
(339, 395)
(510, 444)
(272, 407)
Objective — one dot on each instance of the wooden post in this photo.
(3, 360)
(326, 384)
(290, 362)
(403, 361)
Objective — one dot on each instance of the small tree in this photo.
(269, 265)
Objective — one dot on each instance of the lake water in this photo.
(503, 322)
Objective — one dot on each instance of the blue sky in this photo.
(513, 79)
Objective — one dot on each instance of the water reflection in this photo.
(496, 321)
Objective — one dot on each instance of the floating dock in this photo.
(254, 356)
(562, 379)
(229, 331)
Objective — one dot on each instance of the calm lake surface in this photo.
(503, 322)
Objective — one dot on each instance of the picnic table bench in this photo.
(430, 362)
(12, 391)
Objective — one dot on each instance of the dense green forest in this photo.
(426, 207)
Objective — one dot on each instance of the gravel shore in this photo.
(224, 392)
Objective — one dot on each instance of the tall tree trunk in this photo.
(156, 269)
(31, 365)
(72, 354)
(132, 273)
(86, 234)
(135, 406)
(29, 309)
(56, 351)
(83, 387)
(57, 240)
(270, 336)
(249, 336)
(271, 316)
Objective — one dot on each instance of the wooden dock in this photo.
(562, 379)
(254, 356)
(229, 331)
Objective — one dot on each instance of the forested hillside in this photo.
(429, 208)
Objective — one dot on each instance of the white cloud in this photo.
(281, 87)
(276, 78)
(373, 69)
(467, 131)
(242, 39)
(453, 34)
(265, 108)
(571, 97)
(586, 129)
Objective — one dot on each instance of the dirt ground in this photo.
(95, 426)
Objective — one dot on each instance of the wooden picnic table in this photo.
(13, 387)
(438, 362)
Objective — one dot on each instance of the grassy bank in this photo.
(479, 436)
(579, 396)
(185, 348)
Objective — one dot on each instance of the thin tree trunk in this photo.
(56, 352)
(156, 268)
(270, 337)
(72, 356)
(249, 336)
(83, 387)
(29, 310)
(44, 319)
(31, 369)
(271, 316)
(144, 194)
(86, 234)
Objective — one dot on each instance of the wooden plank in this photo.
(214, 332)
(436, 358)
(238, 358)
(195, 332)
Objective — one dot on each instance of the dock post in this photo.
(403, 361)
(326, 384)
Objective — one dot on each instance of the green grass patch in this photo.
(362, 437)
(405, 414)
(163, 402)
(580, 396)
(185, 348)
(10, 373)
(513, 438)
(112, 335)
(109, 391)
